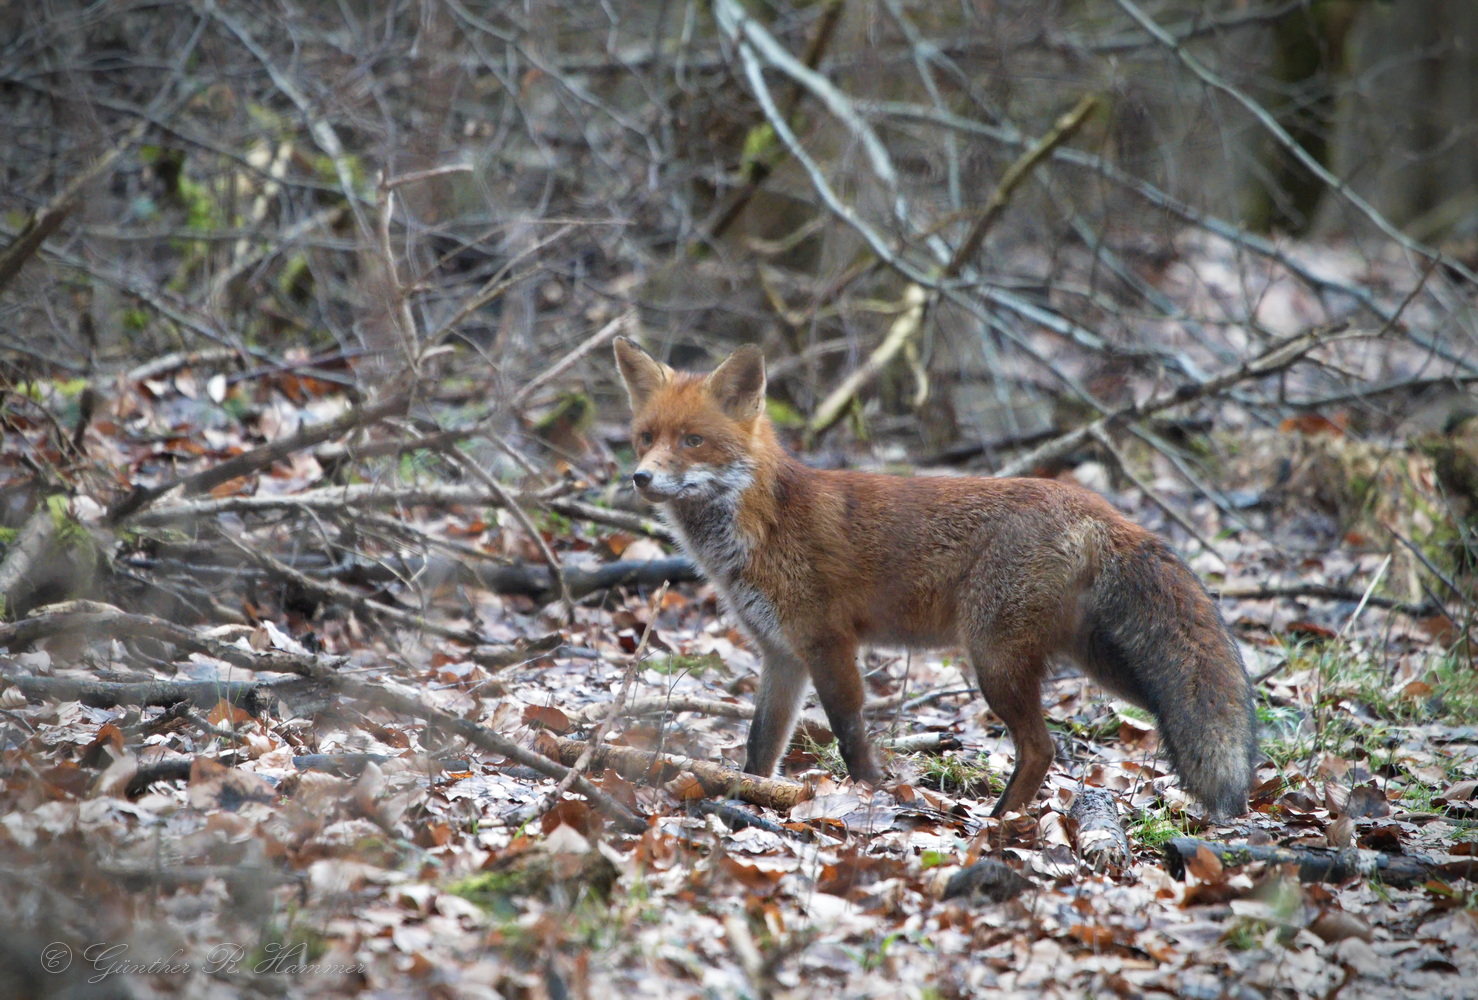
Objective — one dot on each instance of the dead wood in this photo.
(716, 780)
(332, 592)
(174, 769)
(487, 739)
(989, 879)
(923, 743)
(49, 217)
(337, 499)
(536, 581)
(30, 566)
(302, 696)
(1314, 864)
(259, 458)
(1326, 592)
(660, 705)
(1100, 837)
(745, 710)
(96, 619)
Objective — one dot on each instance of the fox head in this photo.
(696, 437)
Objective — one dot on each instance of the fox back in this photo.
(1016, 571)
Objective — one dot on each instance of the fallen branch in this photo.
(49, 217)
(1100, 837)
(660, 705)
(336, 593)
(302, 696)
(486, 739)
(74, 618)
(923, 743)
(535, 581)
(1324, 592)
(730, 709)
(1314, 864)
(259, 458)
(175, 360)
(582, 763)
(717, 781)
(334, 499)
(1276, 358)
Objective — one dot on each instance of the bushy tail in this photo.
(1158, 639)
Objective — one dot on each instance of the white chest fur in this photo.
(710, 532)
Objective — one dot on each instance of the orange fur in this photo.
(1017, 571)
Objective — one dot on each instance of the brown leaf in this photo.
(1460, 791)
(228, 715)
(547, 717)
(752, 877)
(1341, 832)
(685, 787)
(1205, 865)
(1309, 630)
(1336, 925)
(573, 813)
(434, 834)
(1095, 936)
(231, 487)
(1367, 800)
(1386, 838)
(215, 786)
(1311, 424)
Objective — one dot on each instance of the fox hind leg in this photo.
(832, 660)
(1010, 678)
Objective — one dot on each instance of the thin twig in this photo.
(521, 516)
(567, 362)
(1288, 142)
(543, 805)
(49, 217)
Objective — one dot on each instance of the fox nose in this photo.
(642, 479)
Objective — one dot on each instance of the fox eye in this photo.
(693, 440)
(646, 439)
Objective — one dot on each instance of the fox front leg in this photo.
(776, 707)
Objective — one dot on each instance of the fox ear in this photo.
(739, 383)
(642, 373)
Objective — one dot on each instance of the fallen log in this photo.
(302, 696)
(1100, 838)
(717, 781)
(1314, 864)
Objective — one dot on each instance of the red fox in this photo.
(1016, 571)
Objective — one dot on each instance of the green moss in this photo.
(695, 666)
(1154, 828)
(960, 774)
(491, 891)
(782, 414)
(202, 212)
(828, 756)
(284, 949)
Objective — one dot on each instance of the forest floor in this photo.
(360, 833)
